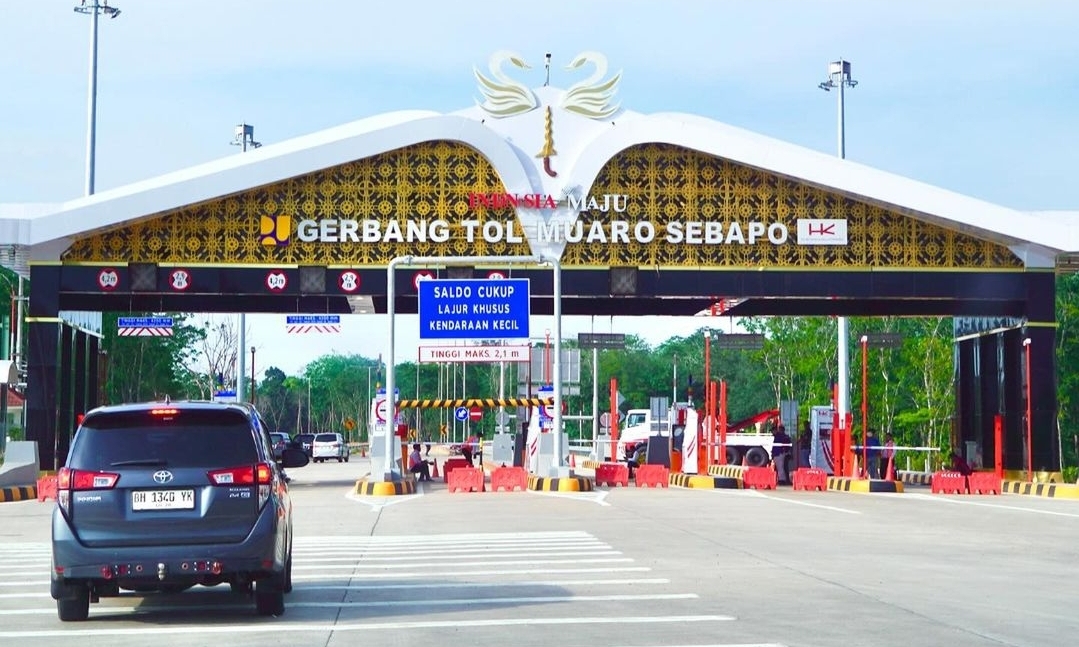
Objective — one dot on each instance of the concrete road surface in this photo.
(625, 567)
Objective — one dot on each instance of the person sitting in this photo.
(417, 465)
(960, 465)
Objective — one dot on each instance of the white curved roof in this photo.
(583, 146)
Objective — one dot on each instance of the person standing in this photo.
(872, 458)
(887, 457)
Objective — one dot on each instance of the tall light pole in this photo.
(839, 78)
(94, 9)
(244, 138)
(1030, 436)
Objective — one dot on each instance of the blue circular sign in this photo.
(461, 413)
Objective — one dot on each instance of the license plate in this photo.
(163, 500)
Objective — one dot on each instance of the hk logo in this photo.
(813, 231)
(275, 230)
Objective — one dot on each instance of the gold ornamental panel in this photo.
(667, 184)
(423, 183)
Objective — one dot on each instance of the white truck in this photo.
(755, 447)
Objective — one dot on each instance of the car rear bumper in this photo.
(328, 452)
(259, 554)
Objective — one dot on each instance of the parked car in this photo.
(164, 496)
(329, 446)
(303, 441)
(279, 442)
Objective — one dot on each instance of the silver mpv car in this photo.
(164, 496)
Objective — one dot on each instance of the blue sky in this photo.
(974, 96)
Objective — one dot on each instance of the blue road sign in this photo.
(474, 309)
(461, 413)
(313, 319)
(144, 322)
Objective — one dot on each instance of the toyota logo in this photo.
(162, 476)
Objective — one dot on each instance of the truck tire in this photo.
(734, 456)
(756, 457)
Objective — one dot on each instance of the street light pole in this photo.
(839, 78)
(254, 391)
(93, 9)
(244, 137)
(1030, 436)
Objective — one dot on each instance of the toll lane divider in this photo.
(846, 484)
(560, 484)
(916, 478)
(704, 481)
(616, 474)
(1048, 490)
(809, 478)
(729, 471)
(18, 493)
(368, 487)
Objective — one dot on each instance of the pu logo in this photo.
(275, 230)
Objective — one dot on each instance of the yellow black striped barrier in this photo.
(22, 493)
(845, 484)
(704, 481)
(560, 484)
(916, 478)
(368, 487)
(728, 471)
(590, 464)
(489, 403)
(1048, 490)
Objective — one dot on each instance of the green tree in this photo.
(149, 368)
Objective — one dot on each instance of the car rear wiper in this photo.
(148, 462)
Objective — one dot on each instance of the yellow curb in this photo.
(564, 484)
(26, 493)
(364, 487)
(1047, 490)
(865, 486)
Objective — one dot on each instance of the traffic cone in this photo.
(891, 466)
(434, 470)
(572, 460)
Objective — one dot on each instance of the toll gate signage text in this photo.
(474, 309)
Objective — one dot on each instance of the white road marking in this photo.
(730, 645)
(940, 499)
(500, 547)
(471, 573)
(469, 585)
(446, 538)
(377, 503)
(308, 627)
(807, 504)
(611, 560)
(596, 496)
(120, 604)
(471, 555)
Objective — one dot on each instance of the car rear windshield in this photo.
(187, 438)
(326, 438)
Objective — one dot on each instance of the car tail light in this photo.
(260, 474)
(69, 480)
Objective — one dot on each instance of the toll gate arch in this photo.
(648, 213)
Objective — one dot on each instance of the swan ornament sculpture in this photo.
(592, 96)
(503, 96)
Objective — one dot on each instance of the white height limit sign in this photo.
(478, 353)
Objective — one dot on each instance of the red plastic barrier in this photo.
(759, 478)
(510, 478)
(465, 479)
(46, 488)
(612, 474)
(450, 465)
(810, 478)
(947, 482)
(651, 476)
(983, 483)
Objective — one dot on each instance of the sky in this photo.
(975, 96)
